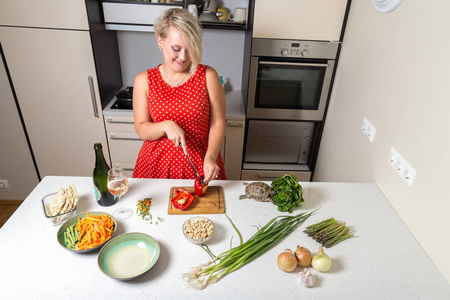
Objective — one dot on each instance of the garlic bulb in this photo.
(306, 278)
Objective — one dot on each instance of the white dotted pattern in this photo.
(188, 106)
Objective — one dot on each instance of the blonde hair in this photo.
(189, 27)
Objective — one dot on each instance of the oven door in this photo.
(288, 90)
(278, 145)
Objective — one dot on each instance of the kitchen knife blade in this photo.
(193, 167)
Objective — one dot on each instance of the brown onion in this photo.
(287, 261)
(303, 256)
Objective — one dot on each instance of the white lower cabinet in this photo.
(124, 142)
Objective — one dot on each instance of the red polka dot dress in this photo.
(188, 106)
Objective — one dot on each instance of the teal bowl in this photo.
(73, 220)
(128, 255)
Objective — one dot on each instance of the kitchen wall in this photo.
(394, 70)
(222, 49)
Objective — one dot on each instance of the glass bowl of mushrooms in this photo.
(198, 230)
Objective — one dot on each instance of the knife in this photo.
(193, 167)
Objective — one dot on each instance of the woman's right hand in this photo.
(175, 134)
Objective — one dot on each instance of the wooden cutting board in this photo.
(211, 203)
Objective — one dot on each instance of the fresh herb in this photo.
(235, 258)
(329, 232)
(288, 193)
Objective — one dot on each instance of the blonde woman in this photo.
(179, 102)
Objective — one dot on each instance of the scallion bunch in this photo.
(201, 276)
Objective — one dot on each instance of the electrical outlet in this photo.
(368, 130)
(401, 166)
(4, 184)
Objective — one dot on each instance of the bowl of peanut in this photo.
(198, 230)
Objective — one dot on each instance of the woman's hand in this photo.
(175, 134)
(210, 169)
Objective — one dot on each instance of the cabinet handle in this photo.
(235, 125)
(128, 169)
(124, 138)
(292, 64)
(121, 122)
(94, 102)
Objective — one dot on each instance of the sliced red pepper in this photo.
(200, 187)
(182, 199)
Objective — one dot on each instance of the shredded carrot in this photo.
(94, 230)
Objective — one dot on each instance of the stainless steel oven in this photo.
(290, 80)
(288, 90)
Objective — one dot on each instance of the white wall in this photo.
(394, 69)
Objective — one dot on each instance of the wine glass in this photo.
(118, 186)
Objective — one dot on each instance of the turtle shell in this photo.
(258, 191)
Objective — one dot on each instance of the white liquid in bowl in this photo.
(129, 261)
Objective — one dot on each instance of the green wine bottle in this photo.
(100, 176)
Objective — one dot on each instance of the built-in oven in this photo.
(288, 91)
(290, 80)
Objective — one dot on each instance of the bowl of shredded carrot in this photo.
(87, 231)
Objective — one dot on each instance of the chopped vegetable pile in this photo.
(329, 232)
(89, 232)
(289, 193)
(143, 210)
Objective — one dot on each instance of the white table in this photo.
(383, 260)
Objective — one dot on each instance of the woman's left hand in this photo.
(210, 169)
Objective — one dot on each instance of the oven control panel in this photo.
(294, 52)
(294, 49)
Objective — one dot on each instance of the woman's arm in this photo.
(143, 123)
(217, 125)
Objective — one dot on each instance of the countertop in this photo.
(235, 107)
(382, 261)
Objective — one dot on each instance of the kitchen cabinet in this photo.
(14, 151)
(67, 14)
(299, 19)
(52, 61)
(50, 70)
(124, 142)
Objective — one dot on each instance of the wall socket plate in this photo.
(403, 168)
(368, 130)
(4, 184)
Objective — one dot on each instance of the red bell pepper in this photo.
(182, 199)
(200, 187)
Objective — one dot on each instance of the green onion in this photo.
(229, 261)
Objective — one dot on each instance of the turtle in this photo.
(258, 191)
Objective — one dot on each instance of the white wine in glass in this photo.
(118, 186)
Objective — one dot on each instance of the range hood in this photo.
(133, 16)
